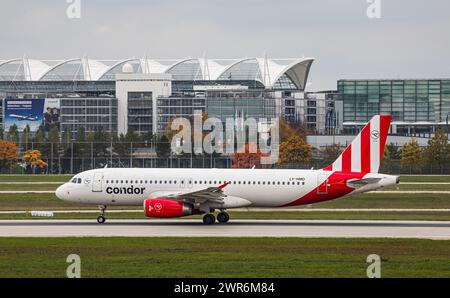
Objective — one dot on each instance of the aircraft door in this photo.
(97, 182)
(322, 182)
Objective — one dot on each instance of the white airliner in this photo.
(21, 117)
(167, 193)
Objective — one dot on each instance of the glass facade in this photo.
(284, 83)
(140, 111)
(409, 101)
(178, 105)
(231, 104)
(219, 104)
(89, 113)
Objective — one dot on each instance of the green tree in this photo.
(411, 156)
(331, 153)
(53, 148)
(40, 142)
(13, 134)
(132, 136)
(80, 147)
(101, 142)
(394, 152)
(438, 150)
(66, 141)
(120, 146)
(2, 133)
(26, 137)
(163, 146)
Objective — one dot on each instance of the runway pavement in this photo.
(235, 228)
(374, 192)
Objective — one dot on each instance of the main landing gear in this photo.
(101, 218)
(222, 217)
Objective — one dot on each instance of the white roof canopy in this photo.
(267, 71)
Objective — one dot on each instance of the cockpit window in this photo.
(79, 180)
(74, 180)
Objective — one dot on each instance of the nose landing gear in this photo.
(101, 218)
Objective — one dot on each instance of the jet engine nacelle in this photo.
(164, 208)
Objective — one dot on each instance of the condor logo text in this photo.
(125, 190)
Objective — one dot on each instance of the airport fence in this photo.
(74, 157)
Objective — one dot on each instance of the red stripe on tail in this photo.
(385, 122)
(347, 159)
(365, 149)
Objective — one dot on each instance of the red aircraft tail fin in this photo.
(364, 154)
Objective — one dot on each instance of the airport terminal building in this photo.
(145, 94)
(417, 107)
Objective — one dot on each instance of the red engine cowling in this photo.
(164, 208)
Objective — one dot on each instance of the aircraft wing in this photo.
(357, 183)
(210, 194)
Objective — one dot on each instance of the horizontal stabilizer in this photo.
(357, 183)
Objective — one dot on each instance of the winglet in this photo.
(223, 185)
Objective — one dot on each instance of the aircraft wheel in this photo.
(223, 217)
(101, 219)
(209, 219)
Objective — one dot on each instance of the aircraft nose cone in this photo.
(60, 192)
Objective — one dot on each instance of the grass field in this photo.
(223, 257)
(35, 178)
(424, 178)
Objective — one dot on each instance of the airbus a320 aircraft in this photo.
(168, 193)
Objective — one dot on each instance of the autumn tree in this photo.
(32, 159)
(8, 154)
(295, 150)
(247, 157)
(438, 150)
(411, 156)
(288, 130)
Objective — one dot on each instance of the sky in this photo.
(411, 39)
